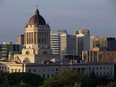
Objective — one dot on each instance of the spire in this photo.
(36, 6)
(37, 11)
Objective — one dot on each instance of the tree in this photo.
(28, 78)
(51, 82)
(65, 79)
(77, 84)
(22, 85)
(88, 82)
(101, 86)
(111, 84)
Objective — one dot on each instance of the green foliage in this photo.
(15, 79)
(32, 79)
(68, 79)
(22, 85)
(77, 84)
(51, 82)
(88, 82)
(112, 84)
(101, 86)
(62, 79)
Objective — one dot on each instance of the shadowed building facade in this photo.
(82, 41)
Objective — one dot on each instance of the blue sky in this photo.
(99, 16)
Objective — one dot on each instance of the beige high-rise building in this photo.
(98, 43)
(63, 43)
(20, 39)
(102, 43)
(67, 44)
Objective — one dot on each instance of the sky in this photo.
(99, 16)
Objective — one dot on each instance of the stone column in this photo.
(36, 38)
(32, 37)
(27, 38)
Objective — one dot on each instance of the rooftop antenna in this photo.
(37, 11)
(36, 6)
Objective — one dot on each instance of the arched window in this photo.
(26, 60)
(27, 52)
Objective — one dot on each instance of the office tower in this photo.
(7, 48)
(55, 42)
(102, 49)
(67, 43)
(82, 41)
(99, 43)
(111, 44)
(20, 39)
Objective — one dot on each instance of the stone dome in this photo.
(37, 19)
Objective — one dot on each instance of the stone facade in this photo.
(107, 70)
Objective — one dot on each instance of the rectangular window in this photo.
(34, 70)
(29, 70)
(56, 69)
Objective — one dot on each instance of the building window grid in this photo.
(52, 70)
(48, 70)
(43, 70)
(39, 70)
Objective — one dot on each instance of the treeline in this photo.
(20, 80)
(62, 79)
(75, 79)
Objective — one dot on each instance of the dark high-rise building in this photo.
(8, 47)
(111, 44)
